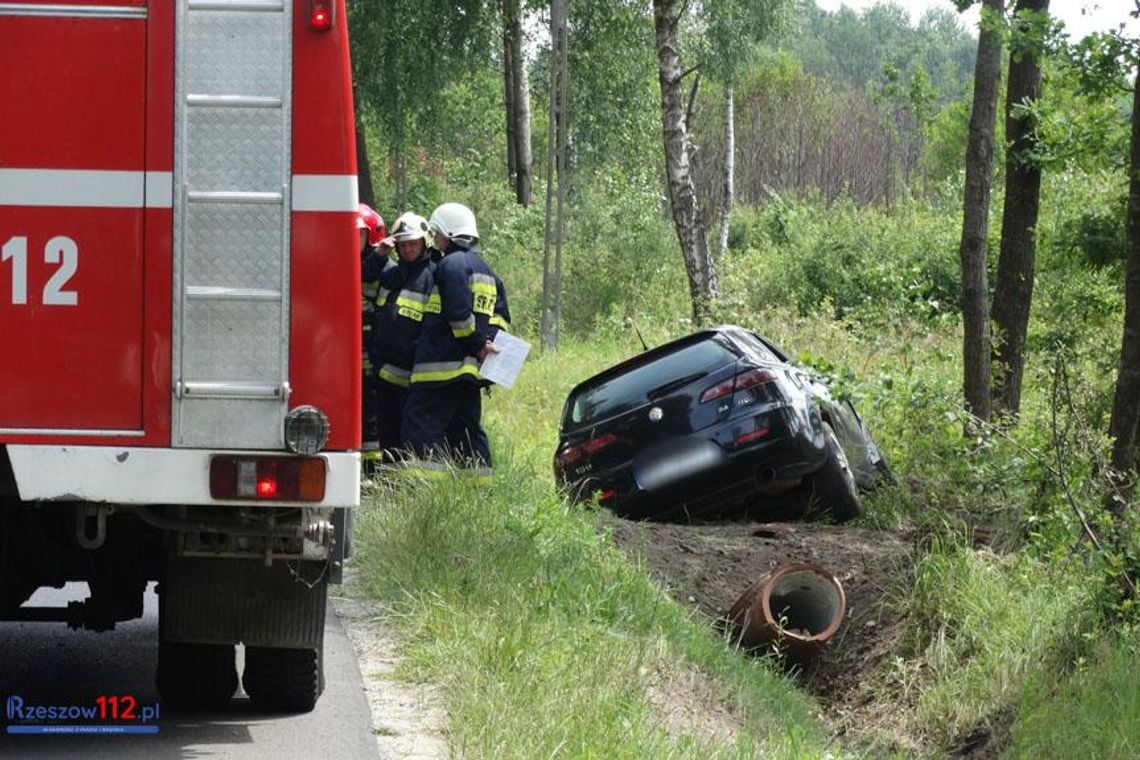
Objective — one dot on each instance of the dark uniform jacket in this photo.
(372, 263)
(406, 296)
(474, 309)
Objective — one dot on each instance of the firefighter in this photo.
(443, 411)
(372, 262)
(407, 294)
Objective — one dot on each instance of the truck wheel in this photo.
(283, 680)
(196, 676)
(833, 486)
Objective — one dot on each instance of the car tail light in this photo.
(572, 454)
(746, 379)
(321, 15)
(267, 478)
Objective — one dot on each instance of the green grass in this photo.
(546, 640)
(982, 627)
(1093, 714)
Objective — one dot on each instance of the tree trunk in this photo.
(729, 168)
(1126, 405)
(555, 176)
(363, 169)
(1013, 293)
(975, 222)
(682, 195)
(400, 175)
(509, 89)
(519, 110)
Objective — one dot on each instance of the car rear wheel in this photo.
(833, 487)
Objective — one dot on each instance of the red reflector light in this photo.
(268, 478)
(320, 16)
(752, 436)
(607, 494)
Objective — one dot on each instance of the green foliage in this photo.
(982, 627)
(614, 110)
(854, 49)
(846, 260)
(733, 31)
(405, 52)
(1093, 712)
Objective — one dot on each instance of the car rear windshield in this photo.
(612, 395)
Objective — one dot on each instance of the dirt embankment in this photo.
(709, 566)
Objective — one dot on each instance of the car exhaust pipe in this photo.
(798, 607)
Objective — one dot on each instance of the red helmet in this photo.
(368, 219)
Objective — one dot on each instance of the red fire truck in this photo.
(180, 327)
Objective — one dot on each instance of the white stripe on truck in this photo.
(118, 189)
(325, 192)
(85, 189)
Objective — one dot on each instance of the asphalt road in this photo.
(46, 664)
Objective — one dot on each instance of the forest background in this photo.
(840, 236)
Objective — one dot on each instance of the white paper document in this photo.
(502, 368)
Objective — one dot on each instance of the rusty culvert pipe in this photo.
(798, 606)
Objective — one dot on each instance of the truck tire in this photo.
(196, 676)
(833, 487)
(283, 680)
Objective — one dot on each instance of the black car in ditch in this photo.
(716, 420)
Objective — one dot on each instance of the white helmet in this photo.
(454, 220)
(411, 227)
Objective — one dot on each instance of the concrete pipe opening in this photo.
(798, 606)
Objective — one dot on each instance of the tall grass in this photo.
(546, 640)
(983, 626)
(1095, 713)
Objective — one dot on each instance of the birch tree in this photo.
(691, 230)
(734, 31)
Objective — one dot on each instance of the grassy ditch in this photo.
(548, 642)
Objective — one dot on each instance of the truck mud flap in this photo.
(226, 601)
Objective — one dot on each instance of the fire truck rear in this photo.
(179, 328)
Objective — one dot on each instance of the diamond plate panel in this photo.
(233, 246)
(232, 341)
(231, 423)
(234, 149)
(234, 53)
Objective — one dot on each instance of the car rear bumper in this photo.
(766, 465)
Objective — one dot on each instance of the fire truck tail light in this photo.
(321, 15)
(267, 478)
